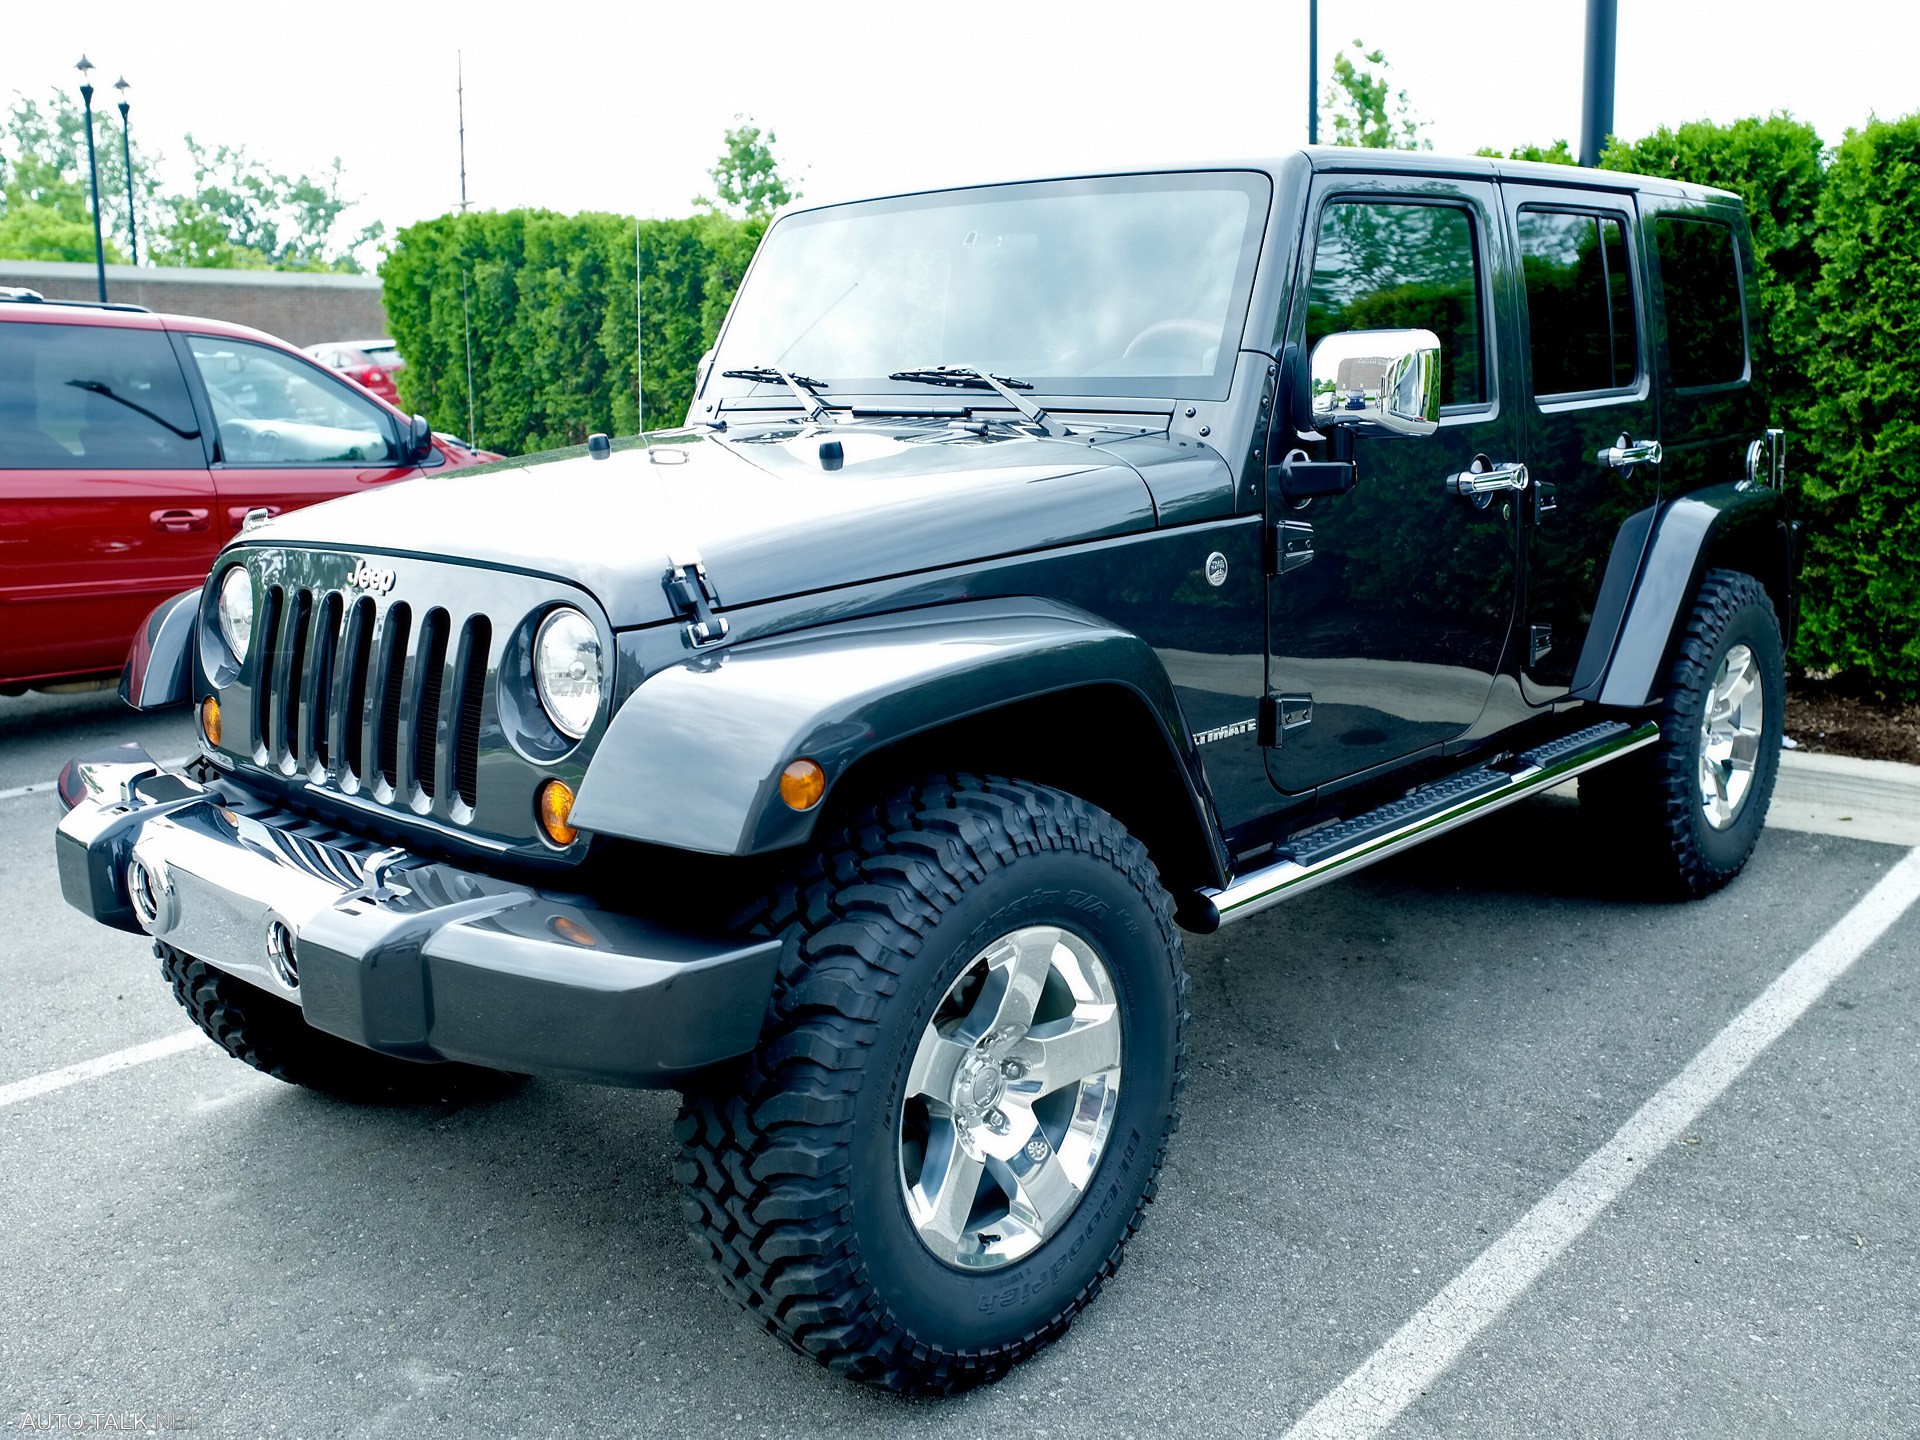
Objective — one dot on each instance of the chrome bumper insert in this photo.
(404, 955)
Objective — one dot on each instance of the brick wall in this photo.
(299, 307)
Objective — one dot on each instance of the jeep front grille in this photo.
(346, 682)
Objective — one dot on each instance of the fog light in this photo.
(280, 955)
(802, 784)
(144, 891)
(210, 720)
(555, 805)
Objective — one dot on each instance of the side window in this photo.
(1700, 275)
(272, 409)
(1580, 315)
(93, 397)
(1390, 265)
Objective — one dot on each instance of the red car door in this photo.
(290, 434)
(106, 503)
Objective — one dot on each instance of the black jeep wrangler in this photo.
(1043, 568)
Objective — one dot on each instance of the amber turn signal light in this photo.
(555, 806)
(802, 784)
(210, 720)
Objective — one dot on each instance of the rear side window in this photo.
(93, 397)
(1580, 314)
(1700, 274)
(1392, 265)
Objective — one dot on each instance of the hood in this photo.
(772, 512)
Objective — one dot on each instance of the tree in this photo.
(1364, 108)
(746, 177)
(238, 214)
(1558, 153)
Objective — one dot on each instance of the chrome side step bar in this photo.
(1429, 811)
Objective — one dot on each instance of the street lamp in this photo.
(126, 156)
(93, 177)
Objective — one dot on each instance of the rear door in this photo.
(1588, 387)
(290, 434)
(1385, 645)
(106, 505)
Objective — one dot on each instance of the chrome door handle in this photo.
(1485, 478)
(1626, 452)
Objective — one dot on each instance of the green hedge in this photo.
(1837, 247)
(548, 304)
(1862, 580)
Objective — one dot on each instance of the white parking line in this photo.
(1416, 1355)
(174, 1044)
(40, 787)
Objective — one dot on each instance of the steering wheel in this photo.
(1195, 329)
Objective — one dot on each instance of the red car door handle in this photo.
(179, 522)
(237, 514)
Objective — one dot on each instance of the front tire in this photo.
(963, 1093)
(1687, 812)
(272, 1036)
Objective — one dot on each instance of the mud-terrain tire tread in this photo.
(272, 1036)
(763, 1151)
(1648, 800)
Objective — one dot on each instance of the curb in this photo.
(1838, 795)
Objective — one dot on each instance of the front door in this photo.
(290, 433)
(1588, 390)
(1385, 644)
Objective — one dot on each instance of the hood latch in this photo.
(693, 597)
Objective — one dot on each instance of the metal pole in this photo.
(1596, 102)
(1313, 72)
(93, 179)
(460, 94)
(126, 156)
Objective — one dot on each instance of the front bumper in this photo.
(410, 957)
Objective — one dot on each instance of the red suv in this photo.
(132, 447)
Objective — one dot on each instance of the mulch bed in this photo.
(1827, 721)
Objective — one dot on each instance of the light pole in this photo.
(126, 156)
(93, 178)
(1313, 72)
(1596, 100)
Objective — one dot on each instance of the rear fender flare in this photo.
(693, 759)
(1739, 526)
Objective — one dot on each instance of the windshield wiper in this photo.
(811, 405)
(978, 377)
(105, 392)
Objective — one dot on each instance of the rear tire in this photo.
(1687, 811)
(272, 1036)
(875, 1228)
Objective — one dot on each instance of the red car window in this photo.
(81, 397)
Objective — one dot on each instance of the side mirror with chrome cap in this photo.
(1376, 382)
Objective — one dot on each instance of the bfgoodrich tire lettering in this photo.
(791, 1166)
(1652, 801)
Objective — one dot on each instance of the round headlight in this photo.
(567, 670)
(235, 610)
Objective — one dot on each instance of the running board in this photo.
(1331, 851)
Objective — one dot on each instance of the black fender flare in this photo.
(159, 669)
(693, 758)
(1739, 525)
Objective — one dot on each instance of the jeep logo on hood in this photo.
(370, 578)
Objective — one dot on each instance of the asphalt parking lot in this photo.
(1387, 1074)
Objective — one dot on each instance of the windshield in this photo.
(1124, 285)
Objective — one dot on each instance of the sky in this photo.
(620, 104)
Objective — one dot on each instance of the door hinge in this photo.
(1279, 714)
(693, 597)
(1292, 546)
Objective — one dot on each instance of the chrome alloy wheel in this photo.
(1731, 725)
(1010, 1098)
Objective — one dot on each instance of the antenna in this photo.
(640, 346)
(460, 99)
